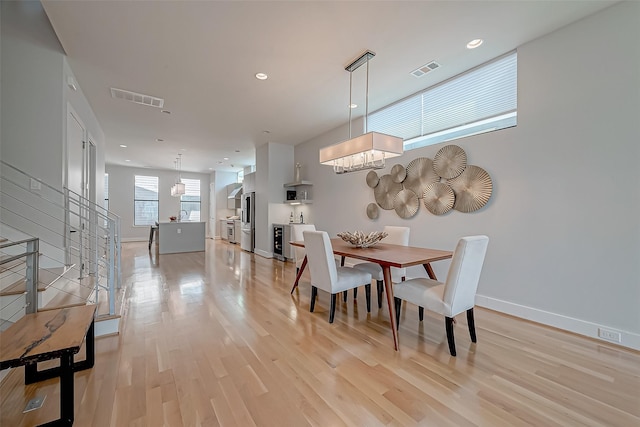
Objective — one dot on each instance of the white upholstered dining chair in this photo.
(296, 236)
(455, 295)
(326, 275)
(396, 236)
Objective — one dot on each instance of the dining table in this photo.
(387, 256)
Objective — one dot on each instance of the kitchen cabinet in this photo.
(303, 193)
(223, 229)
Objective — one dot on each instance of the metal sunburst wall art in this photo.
(444, 183)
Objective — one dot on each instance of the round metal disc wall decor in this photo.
(398, 173)
(450, 161)
(372, 179)
(406, 204)
(420, 174)
(386, 191)
(372, 211)
(472, 188)
(438, 198)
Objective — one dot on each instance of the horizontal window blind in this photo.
(190, 200)
(145, 202)
(448, 110)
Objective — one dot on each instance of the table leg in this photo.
(304, 264)
(430, 272)
(66, 392)
(386, 271)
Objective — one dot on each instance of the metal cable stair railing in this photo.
(79, 246)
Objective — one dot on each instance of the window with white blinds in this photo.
(190, 200)
(480, 100)
(145, 200)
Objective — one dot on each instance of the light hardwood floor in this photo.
(215, 338)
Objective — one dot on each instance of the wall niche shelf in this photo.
(298, 201)
(297, 183)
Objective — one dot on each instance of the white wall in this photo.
(274, 167)
(121, 190)
(32, 93)
(563, 217)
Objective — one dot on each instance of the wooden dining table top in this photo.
(386, 254)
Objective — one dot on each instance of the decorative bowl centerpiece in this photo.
(362, 240)
(173, 218)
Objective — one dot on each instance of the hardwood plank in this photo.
(215, 338)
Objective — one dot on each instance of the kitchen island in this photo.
(181, 236)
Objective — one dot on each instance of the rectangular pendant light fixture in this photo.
(367, 151)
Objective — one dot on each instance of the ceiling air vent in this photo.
(137, 98)
(419, 72)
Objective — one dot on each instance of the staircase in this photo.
(57, 249)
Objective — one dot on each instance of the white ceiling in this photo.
(201, 57)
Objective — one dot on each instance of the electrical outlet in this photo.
(34, 403)
(179, 230)
(609, 335)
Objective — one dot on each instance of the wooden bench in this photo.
(46, 335)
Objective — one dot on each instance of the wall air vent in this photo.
(137, 98)
(419, 72)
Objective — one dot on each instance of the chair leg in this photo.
(314, 293)
(367, 293)
(332, 310)
(472, 325)
(380, 290)
(421, 313)
(344, 296)
(355, 293)
(448, 323)
(398, 304)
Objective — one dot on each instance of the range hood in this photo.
(236, 193)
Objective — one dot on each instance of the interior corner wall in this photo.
(121, 192)
(563, 223)
(31, 92)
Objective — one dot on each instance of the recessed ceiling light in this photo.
(261, 76)
(225, 158)
(266, 131)
(219, 162)
(237, 151)
(474, 43)
(353, 106)
(183, 149)
(127, 160)
(159, 140)
(210, 169)
(166, 111)
(123, 146)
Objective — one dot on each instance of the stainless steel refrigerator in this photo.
(248, 229)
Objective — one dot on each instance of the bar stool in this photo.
(154, 230)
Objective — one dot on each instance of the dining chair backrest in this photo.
(322, 267)
(397, 235)
(296, 235)
(464, 273)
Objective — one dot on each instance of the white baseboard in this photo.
(581, 327)
(135, 239)
(262, 253)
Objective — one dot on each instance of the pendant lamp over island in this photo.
(178, 189)
(367, 151)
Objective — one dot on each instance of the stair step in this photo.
(46, 277)
(71, 293)
(11, 264)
